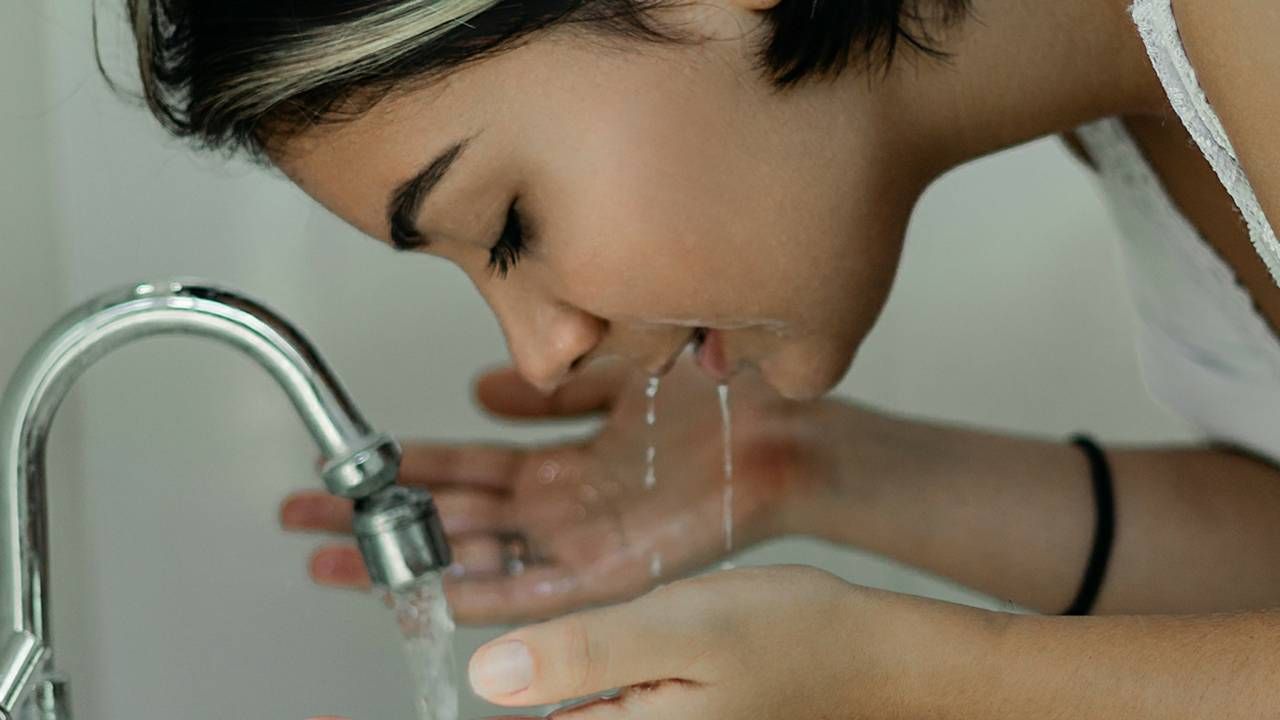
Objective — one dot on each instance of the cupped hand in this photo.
(539, 531)
(778, 642)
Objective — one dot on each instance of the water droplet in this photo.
(655, 565)
(551, 587)
(548, 472)
(651, 419)
(651, 392)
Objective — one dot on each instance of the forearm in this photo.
(1013, 517)
(1119, 667)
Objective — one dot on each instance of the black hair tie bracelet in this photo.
(1104, 534)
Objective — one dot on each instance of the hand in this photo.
(763, 643)
(592, 530)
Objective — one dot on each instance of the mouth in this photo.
(692, 342)
(709, 351)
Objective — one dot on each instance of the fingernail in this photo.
(502, 669)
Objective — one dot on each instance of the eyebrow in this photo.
(407, 199)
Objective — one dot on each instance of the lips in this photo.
(709, 350)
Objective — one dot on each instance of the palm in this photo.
(544, 530)
(591, 509)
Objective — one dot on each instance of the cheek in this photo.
(634, 273)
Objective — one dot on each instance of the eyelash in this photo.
(404, 237)
(511, 244)
(503, 256)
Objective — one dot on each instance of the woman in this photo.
(624, 178)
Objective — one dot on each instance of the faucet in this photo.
(397, 529)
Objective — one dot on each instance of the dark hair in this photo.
(243, 74)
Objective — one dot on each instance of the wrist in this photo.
(936, 658)
(809, 442)
(854, 462)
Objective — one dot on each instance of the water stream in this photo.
(651, 453)
(651, 420)
(427, 627)
(726, 429)
(423, 615)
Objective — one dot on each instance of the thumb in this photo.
(647, 640)
(503, 392)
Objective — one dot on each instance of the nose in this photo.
(548, 340)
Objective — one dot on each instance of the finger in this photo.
(505, 393)
(316, 511)
(483, 466)
(588, 567)
(484, 594)
(339, 566)
(644, 641)
(494, 598)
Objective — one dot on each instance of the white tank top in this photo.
(1205, 351)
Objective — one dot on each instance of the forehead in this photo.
(554, 88)
(350, 166)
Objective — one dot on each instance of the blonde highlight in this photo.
(320, 56)
(239, 74)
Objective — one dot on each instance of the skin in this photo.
(645, 230)
(715, 218)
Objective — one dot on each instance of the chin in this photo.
(799, 380)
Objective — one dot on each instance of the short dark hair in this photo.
(240, 75)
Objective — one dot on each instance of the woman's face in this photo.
(664, 190)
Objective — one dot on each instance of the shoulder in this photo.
(1232, 45)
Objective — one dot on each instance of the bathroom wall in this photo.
(32, 283)
(186, 599)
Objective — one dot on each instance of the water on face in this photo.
(427, 627)
(726, 429)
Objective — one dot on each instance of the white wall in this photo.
(32, 282)
(189, 602)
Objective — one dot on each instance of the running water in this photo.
(727, 431)
(651, 453)
(651, 419)
(423, 616)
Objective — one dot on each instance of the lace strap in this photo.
(1159, 29)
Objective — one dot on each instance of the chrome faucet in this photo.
(398, 529)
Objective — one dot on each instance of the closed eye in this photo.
(404, 236)
(511, 244)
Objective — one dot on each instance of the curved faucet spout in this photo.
(359, 463)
